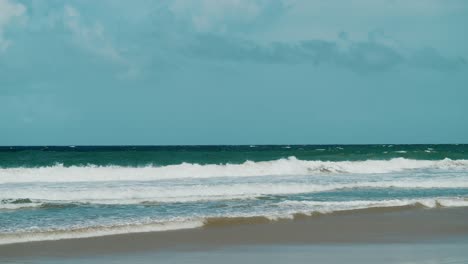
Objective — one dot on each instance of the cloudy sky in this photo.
(86, 72)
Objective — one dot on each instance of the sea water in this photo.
(49, 193)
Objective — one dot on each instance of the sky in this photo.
(177, 72)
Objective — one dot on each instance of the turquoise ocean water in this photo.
(76, 191)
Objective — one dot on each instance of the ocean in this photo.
(49, 193)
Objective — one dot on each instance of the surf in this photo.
(284, 167)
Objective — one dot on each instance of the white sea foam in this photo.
(45, 187)
(96, 231)
(141, 193)
(12, 206)
(138, 193)
(289, 166)
(334, 206)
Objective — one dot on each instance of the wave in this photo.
(288, 210)
(19, 206)
(298, 210)
(289, 166)
(306, 207)
(13, 238)
(136, 194)
(322, 206)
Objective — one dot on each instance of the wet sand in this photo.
(369, 226)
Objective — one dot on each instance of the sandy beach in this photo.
(409, 224)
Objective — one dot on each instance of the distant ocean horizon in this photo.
(55, 192)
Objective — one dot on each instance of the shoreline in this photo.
(405, 224)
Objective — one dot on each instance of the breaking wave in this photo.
(287, 166)
(195, 193)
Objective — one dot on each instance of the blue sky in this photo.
(85, 72)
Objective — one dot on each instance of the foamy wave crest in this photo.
(96, 231)
(193, 193)
(292, 209)
(307, 207)
(289, 166)
(7, 206)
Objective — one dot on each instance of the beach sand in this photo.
(395, 225)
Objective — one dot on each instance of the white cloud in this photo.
(90, 37)
(9, 11)
(217, 15)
